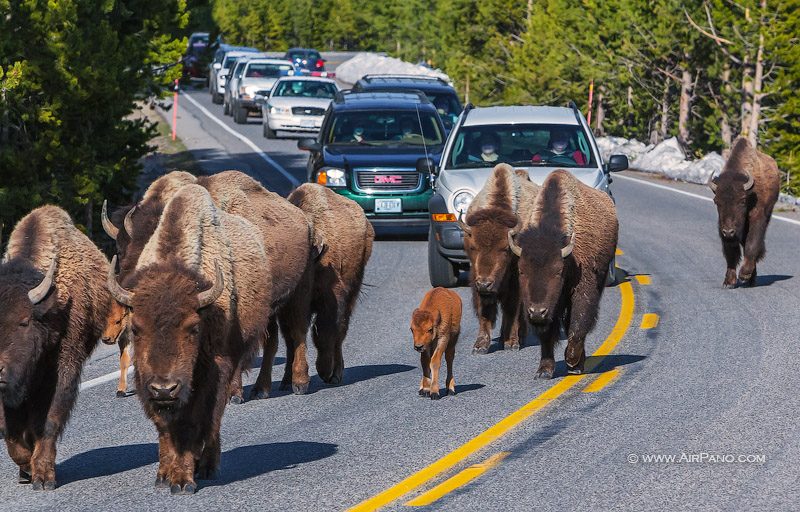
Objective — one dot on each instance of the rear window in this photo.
(529, 145)
(262, 70)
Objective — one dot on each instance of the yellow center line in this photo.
(502, 427)
(619, 252)
(602, 381)
(643, 279)
(460, 479)
(649, 321)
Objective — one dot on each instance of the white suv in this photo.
(538, 139)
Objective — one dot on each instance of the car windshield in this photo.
(229, 62)
(529, 145)
(385, 128)
(264, 70)
(305, 89)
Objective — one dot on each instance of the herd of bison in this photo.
(208, 269)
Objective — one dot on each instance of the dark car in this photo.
(194, 66)
(439, 92)
(306, 60)
(378, 149)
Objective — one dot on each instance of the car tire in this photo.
(440, 270)
(269, 133)
(226, 107)
(239, 114)
(216, 98)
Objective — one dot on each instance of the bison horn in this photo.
(120, 294)
(40, 292)
(750, 182)
(128, 222)
(109, 227)
(516, 249)
(566, 251)
(209, 296)
(712, 183)
(463, 225)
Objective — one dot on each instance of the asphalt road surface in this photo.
(691, 403)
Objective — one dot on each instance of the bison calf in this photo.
(116, 332)
(54, 305)
(435, 325)
(745, 194)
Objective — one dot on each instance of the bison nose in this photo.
(537, 314)
(106, 340)
(484, 285)
(164, 390)
(728, 233)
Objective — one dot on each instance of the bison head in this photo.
(117, 323)
(26, 326)
(733, 196)
(543, 266)
(486, 242)
(424, 327)
(170, 323)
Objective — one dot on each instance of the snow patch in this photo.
(369, 63)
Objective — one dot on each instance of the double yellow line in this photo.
(502, 427)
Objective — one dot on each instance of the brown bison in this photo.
(745, 194)
(338, 272)
(200, 295)
(496, 211)
(435, 326)
(54, 304)
(565, 249)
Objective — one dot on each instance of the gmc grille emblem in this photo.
(393, 180)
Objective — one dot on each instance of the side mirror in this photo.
(217, 66)
(426, 165)
(309, 145)
(260, 99)
(617, 163)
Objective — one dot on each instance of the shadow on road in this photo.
(465, 388)
(600, 364)
(106, 461)
(250, 461)
(769, 279)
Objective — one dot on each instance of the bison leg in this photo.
(548, 338)
(425, 363)
(733, 253)
(294, 332)
(449, 356)
(486, 308)
(509, 329)
(20, 452)
(263, 385)
(166, 458)
(754, 248)
(235, 388)
(582, 318)
(124, 364)
(181, 474)
(436, 364)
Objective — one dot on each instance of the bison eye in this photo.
(430, 330)
(25, 322)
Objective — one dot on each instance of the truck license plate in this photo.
(388, 205)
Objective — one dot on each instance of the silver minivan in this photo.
(539, 139)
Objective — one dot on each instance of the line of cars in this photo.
(406, 151)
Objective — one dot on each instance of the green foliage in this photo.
(69, 74)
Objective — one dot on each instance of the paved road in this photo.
(715, 377)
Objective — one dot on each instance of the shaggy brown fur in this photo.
(289, 242)
(744, 213)
(566, 248)
(43, 346)
(435, 326)
(506, 197)
(187, 354)
(338, 273)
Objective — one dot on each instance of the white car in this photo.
(221, 70)
(296, 104)
(257, 78)
(539, 139)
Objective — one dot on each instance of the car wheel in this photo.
(440, 270)
(226, 108)
(269, 133)
(216, 98)
(239, 114)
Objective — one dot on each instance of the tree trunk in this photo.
(725, 124)
(747, 93)
(685, 105)
(664, 126)
(758, 85)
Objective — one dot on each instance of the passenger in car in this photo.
(557, 150)
(489, 146)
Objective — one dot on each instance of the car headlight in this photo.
(248, 90)
(331, 177)
(279, 110)
(462, 200)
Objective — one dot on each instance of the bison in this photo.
(745, 193)
(200, 295)
(435, 326)
(338, 271)
(116, 332)
(54, 305)
(506, 198)
(565, 249)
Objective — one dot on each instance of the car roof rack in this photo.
(340, 96)
(373, 76)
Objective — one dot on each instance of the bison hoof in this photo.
(161, 482)
(285, 385)
(451, 392)
(424, 393)
(24, 477)
(300, 389)
(38, 485)
(513, 346)
(185, 489)
(258, 394)
(334, 381)
(543, 374)
(480, 350)
(236, 400)
(434, 396)
(121, 394)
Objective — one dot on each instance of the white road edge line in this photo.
(696, 196)
(102, 379)
(244, 139)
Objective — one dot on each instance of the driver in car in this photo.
(406, 130)
(557, 151)
(489, 145)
